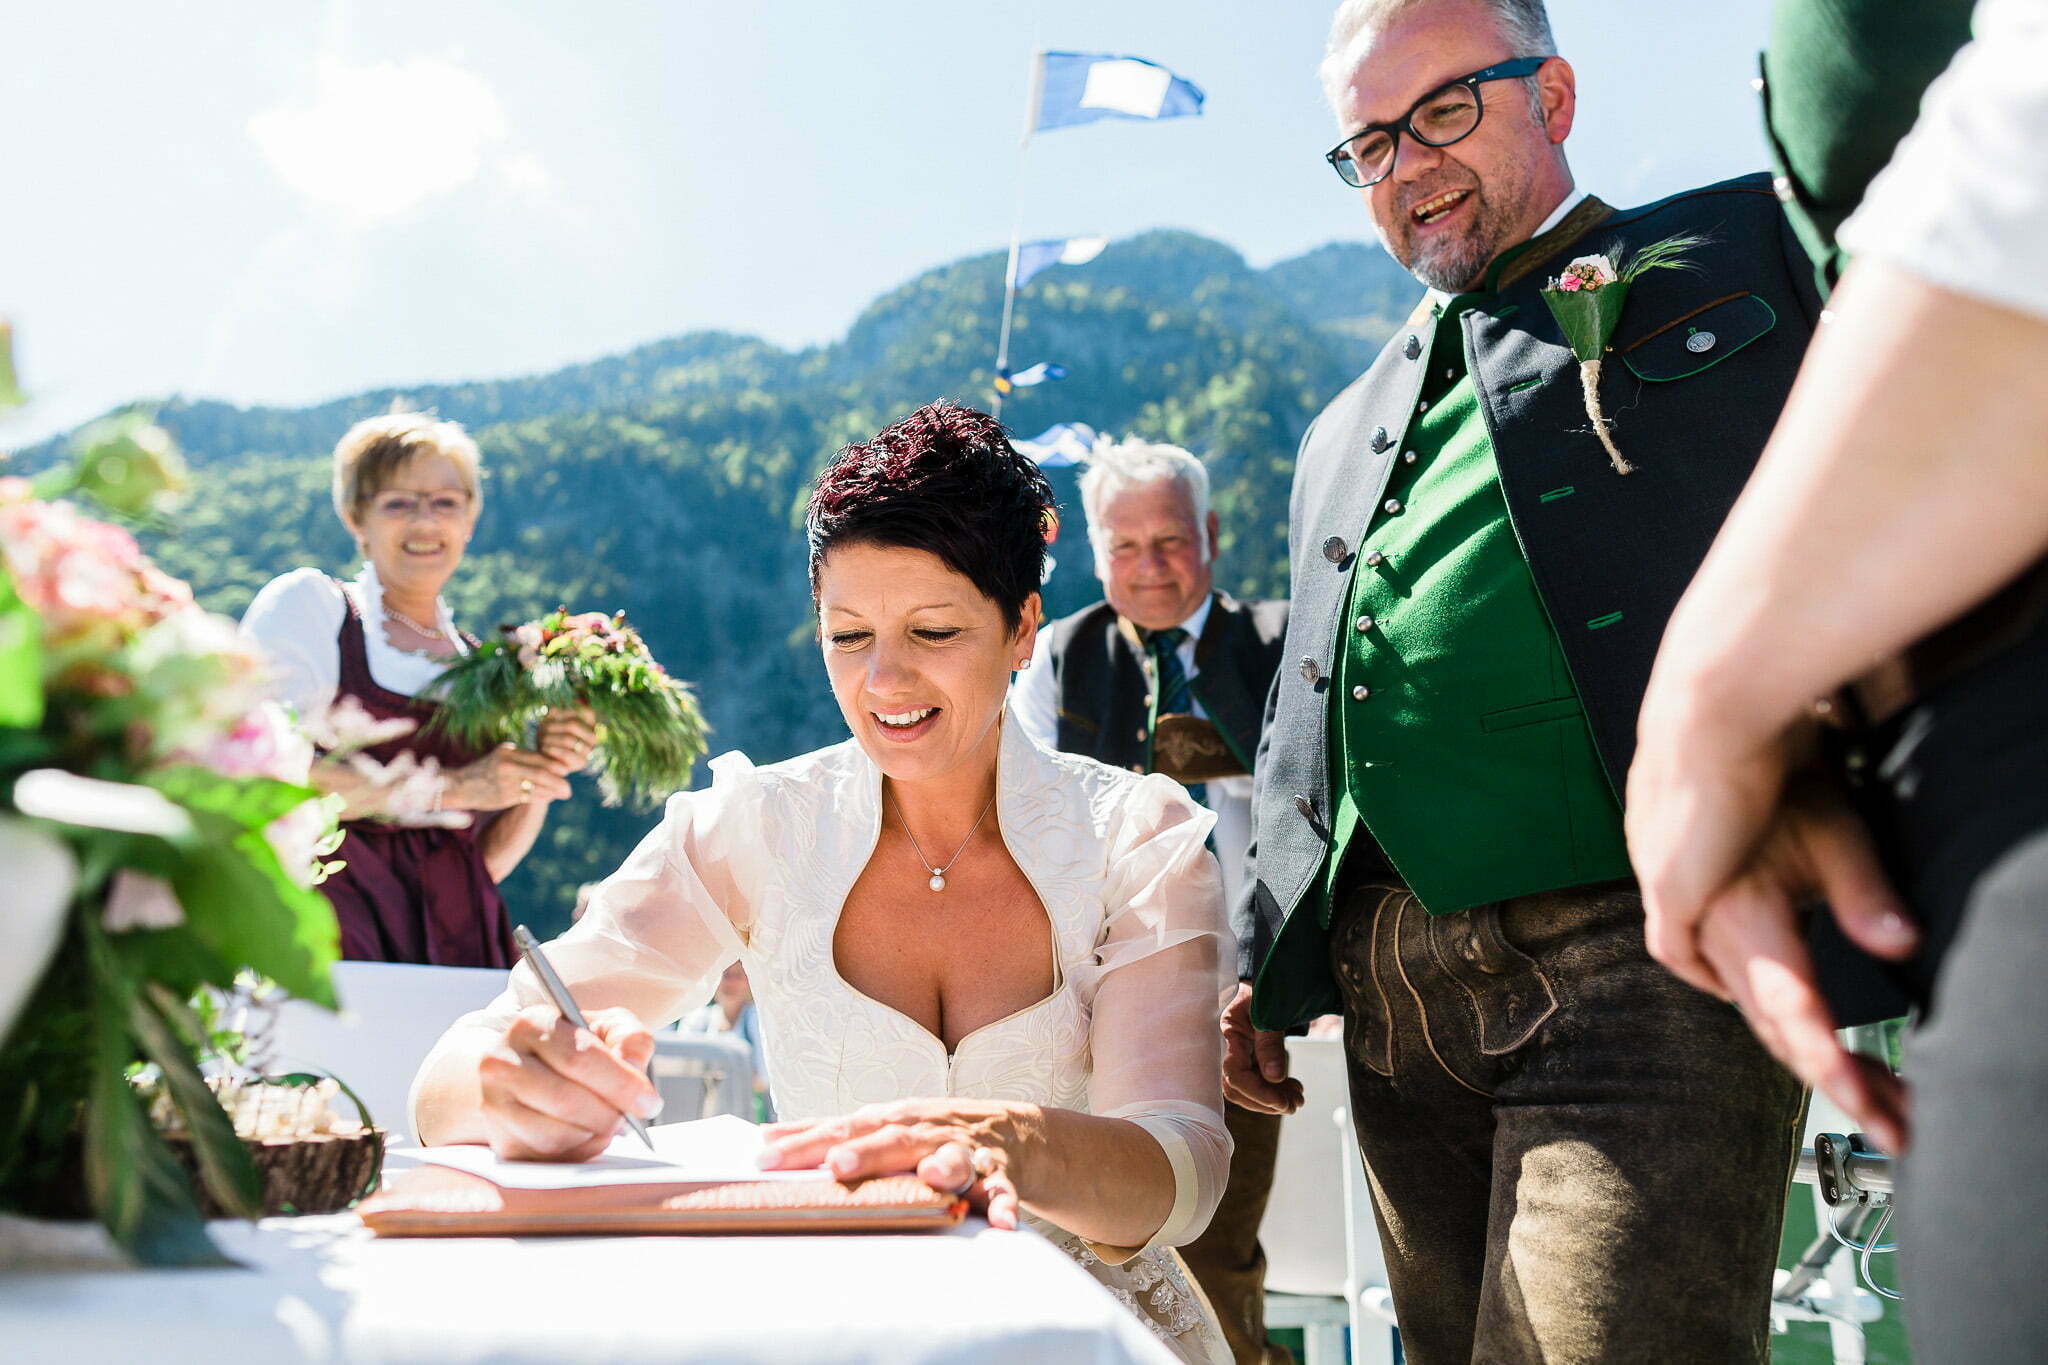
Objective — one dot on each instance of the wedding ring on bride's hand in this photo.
(983, 1160)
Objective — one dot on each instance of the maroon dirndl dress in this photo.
(410, 894)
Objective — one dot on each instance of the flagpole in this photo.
(1017, 224)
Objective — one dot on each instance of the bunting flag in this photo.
(1068, 443)
(1081, 87)
(1028, 379)
(1033, 257)
(1038, 374)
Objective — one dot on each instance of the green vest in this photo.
(1457, 736)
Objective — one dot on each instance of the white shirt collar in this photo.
(1558, 215)
(1194, 624)
(370, 599)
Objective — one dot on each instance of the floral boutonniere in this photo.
(1586, 300)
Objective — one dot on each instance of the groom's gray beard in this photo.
(1455, 266)
(1452, 268)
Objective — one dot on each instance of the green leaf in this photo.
(241, 904)
(1587, 317)
(21, 655)
(251, 802)
(172, 958)
(130, 465)
(10, 386)
(156, 1015)
(136, 1186)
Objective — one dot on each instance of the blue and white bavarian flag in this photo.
(1066, 444)
(1080, 87)
(1037, 374)
(1033, 257)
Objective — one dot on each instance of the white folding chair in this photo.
(702, 1075)
(391, 1015)
(1324, 1270)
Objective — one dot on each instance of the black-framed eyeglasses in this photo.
(1443, 116)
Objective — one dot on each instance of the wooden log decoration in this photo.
(314, 1173)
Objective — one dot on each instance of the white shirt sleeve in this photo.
(659, 931)
(1163, 964)
(1034, 695)
(1964, 202)
(296, 619)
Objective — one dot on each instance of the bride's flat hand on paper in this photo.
(554, 1092)
(963, 1147)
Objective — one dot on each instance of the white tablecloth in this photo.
(322, 1289)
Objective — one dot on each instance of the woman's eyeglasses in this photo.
(1438, 119)
(403, 504)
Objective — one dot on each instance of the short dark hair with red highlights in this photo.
(945, 480)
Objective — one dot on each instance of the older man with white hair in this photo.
(1169, 675)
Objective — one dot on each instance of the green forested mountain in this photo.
(669, 480)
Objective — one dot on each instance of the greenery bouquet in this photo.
(164, 843)
(650, 732)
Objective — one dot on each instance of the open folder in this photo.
(702, 1177)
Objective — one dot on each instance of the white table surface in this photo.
(322, 1289)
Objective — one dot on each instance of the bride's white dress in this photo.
(758, 867)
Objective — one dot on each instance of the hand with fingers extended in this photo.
(507, 776)
(971, 1148)
(554, 1092)
(1730, 853)
(1255, 1061)
(569, 736)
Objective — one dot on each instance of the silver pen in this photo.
(529, 948)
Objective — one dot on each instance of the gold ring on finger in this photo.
(526, 786)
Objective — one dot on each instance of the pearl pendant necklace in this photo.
(938, 881)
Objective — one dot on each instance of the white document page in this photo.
(714, 1151)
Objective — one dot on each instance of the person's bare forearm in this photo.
(1104, 1180)
(447, 1099)
(361, 794)
(506, 839)
(1907, 481)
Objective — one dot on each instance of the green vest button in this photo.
(1364, 624)
(1374, 558)
(1360, 692)
(1391, 506)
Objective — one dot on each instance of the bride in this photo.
(990, 963)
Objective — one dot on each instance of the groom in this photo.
(1573, 1156)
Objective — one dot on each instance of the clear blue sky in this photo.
(282, 203)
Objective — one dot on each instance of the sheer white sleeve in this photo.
(660, 929)
(296, 619)
(1034, 696)
(1164, 963)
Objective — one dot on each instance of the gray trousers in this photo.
(1574, 1157)
(1959, 802)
